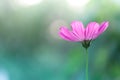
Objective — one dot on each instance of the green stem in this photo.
(86, 64)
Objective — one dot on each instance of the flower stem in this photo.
(86, 64)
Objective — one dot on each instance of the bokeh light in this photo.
(3, 75)
(54, 28)
(116, 2)
(28, 2)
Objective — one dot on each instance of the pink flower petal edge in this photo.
(91, 30)
(78, 29)
(79, 33)
(67, 35)
(103, 26)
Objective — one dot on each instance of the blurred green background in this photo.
(31, 49)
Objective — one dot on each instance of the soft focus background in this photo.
(31, 49)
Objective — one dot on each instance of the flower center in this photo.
(86, 43)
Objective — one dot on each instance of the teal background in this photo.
(31, 49)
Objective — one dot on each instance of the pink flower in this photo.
(81, 34)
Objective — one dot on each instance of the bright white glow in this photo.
(78, 3)
(3, 75)
(28, 2)
(116, 2)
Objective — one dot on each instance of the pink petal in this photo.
(78, 30)
(104, 25)
(91, 30)
(101, 29)
(67, 35)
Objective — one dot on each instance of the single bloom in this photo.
(81, 34)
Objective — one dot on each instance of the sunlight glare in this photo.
(28, 2)
(3, 75)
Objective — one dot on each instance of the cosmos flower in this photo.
(81, 34)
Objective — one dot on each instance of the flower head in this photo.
(81, 34)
